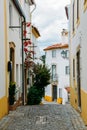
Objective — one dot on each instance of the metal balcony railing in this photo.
(54, 78)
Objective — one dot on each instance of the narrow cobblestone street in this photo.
(43, 117)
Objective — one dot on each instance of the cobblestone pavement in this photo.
(43, 117)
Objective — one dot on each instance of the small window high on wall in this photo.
(67, 71)
(73, 68)
(77, 9)
(73, 16)
(53, 53)
(10, 14)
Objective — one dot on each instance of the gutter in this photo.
(18, 7)
(31, 2)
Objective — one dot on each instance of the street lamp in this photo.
(63, 54)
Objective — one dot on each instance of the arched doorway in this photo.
(12, 60)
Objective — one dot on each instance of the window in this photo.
(73, 68)
(53, 53)
(67, 70)
(53, 71)
(10, 14)
(20, 27)
(77, 9)
(67, 54)
(73, 19)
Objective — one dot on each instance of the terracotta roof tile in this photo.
(56, 46)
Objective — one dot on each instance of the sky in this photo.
(50, 18)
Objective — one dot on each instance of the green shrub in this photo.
(33, 97)
(42, 77)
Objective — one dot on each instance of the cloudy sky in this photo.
(50, 18)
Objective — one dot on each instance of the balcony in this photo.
(54, 78)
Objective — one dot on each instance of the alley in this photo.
(43, 117)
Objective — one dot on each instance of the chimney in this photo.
(64, 36)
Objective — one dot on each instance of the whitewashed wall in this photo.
(37, 54)
(2, 51)
(63, 79)
(80, 38)
(48, 90)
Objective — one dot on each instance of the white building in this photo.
(57, 59)
(4, 75)
(15, 16)
(36, 49)
(78, 56)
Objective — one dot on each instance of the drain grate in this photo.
(41, 120)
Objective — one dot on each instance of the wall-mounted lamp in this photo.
(64, 54)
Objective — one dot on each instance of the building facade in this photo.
(4, 76)
(57, 59)
(78, 56)
(15, 30)
(35, 36)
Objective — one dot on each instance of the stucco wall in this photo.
(2, 51)
(79, 41)
(63, 79)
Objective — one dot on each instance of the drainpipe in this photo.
(18, 7)
(23, 88)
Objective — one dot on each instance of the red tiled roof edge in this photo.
(56, 46)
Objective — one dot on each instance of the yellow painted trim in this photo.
(74, 103)
(85, 6)
(59, 100)
(34, 32)
(3, 106)
(78, 22)
(4, 100)
(48, 98)
(84, 106)
(73, 97)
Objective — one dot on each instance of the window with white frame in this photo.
(67, 71)
(73, 16)
(53, 72)
(77, 9)
(20, 27)
(10, 14)
(67, 54)
(53, 53)
(73, 68)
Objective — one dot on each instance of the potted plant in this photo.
(12, 89)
